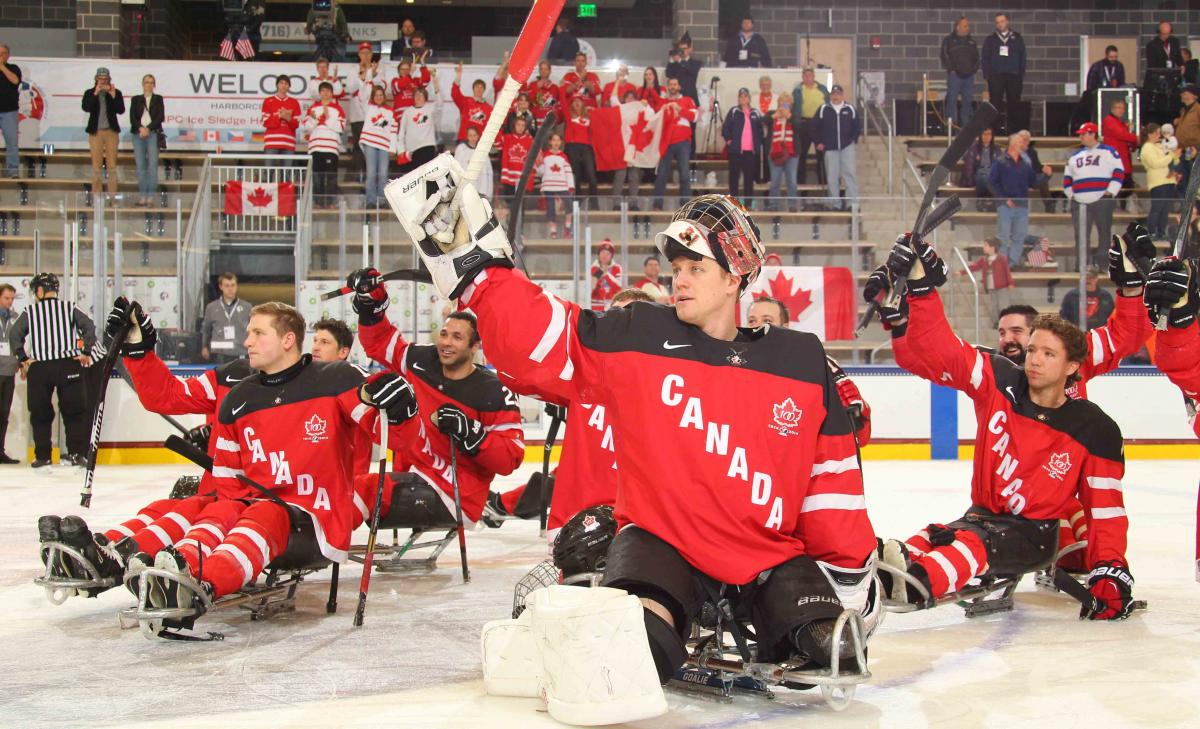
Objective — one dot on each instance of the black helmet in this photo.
(47, 281)
(582, 543)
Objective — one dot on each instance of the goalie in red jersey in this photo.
(1036, 449)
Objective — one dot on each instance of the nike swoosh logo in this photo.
(238, 408)
(234, 379)
(418, 367)
(1010, 392)
(668, 345)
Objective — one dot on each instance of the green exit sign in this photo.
(587, 10)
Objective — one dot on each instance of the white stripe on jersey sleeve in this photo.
(1111, 484)
(1108, 512)
(838, 502)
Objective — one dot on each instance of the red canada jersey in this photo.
(424, 448)
(471, 113)
(512, 162)
(1029, 460)
(280, 133)
(403, 88)
(678, 120)
(578, 131)
(1177, 354)
(288, 432)
(614, 93)
(589, 91)
(544, 96)
(651, 95)
(743, 457)
(607, 284)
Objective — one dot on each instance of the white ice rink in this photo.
(416, 661)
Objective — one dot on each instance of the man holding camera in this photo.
(326, 23)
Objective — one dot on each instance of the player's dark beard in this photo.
(1014, 352)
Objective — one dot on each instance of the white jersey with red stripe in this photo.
(736, 453)
(325, 123)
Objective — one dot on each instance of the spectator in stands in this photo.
(8, 366)
(223, 329)
(766, 100)
(1163, 50)
(563, 44)
(1098, 306)
(1004, 70)
(977, 163)
(627, 180)
(254, 12)
(544, 94)
(837, 130)
(783, 156)
(960, 60)
(807, 100)
(378, 142)
(1191, 66)
(521, 110)
(146, 115)
(280, 118)
(682, 66)
(995, 276)
(747, 49)
(406, 82)
(1159, 178)
(1115, 131)
(1009, 181)
(679, 114)
(324, 75)
(515, 147)
(402, 48)
(10, 84)
(367, 76)
(329, 30)
(1092, 180)
(607, 275)
(650, 91)
(1029, 151)
(1107, 73)
(767, 310)
(615, 90)
(651, 281)
(420, 51)
(103, 103)
(558, 184)
(463, 153)
(473, 112)
(580, 84)
(1187, 124)
(579, 145)
(743, 133)
(325, 122)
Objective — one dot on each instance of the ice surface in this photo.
(416, 661)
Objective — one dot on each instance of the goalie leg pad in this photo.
(644, 565)
(666, 646)
(596, 659)
(511, 663)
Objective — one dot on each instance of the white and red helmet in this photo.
(716, 227)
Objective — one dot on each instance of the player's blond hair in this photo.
(284, 318)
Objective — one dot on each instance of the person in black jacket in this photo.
(744, 145)
(103, 103)
(685, 68)
(960, 59)
(1004, 70)
(146, 114)
(1191, 67)
(254, 13)
(1107, 73)
(1163, 50)
(563, 44)
(747, 49)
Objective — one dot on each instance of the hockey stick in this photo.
(124, 373)
(369, 558)
(403, 274)
(1073, 587)
(982, 119)
(1185, 224)
(551, 436)
(462, 534)
(178, 445)
(110, 361)
(518, 208)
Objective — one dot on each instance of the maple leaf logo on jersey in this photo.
(787, 417)
(314, 429)
(555, 167)
(781, 289)
(1059, 465)
(590, 522)
(259, 198)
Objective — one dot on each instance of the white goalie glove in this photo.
(453, 227)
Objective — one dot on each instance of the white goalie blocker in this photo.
(584, 649)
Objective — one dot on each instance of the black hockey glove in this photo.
(117, 318)
(142, 337)
(1126, 253)
(370, 297)
(558, 412)
(390, 393)
(467, 433)
(1113, 585)
(1171, 287)
(199, 437)
(878, 285)
(930, 271)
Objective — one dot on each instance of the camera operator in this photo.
(685, 68)
(254, 12)
(326, 23)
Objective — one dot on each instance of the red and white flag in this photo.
(260, 198)
(244, 47)
(819, 299)
(226, 48)
(626, 136)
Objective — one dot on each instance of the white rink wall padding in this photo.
(415, 662)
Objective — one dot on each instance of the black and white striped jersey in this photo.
(53, 329)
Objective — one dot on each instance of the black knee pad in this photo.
(665, 645)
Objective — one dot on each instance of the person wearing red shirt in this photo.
(614, 91)
(405, 83)
(515, 148)
(995, 275)
(280, 118)
(651, 91)
(580, 83)
(1116, 134)
(679, 114)
(474, 111)
(579, 145)
(607, 275)
(544, 94)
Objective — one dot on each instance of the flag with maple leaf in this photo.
(819, 299)
(626, 135)
(255, 198)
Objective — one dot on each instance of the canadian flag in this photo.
(819, 299)
(260, 198)
(626, 136)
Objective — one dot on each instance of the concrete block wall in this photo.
(37, 13)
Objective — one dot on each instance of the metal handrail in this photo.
(974, 285)
(915, 173)
(871, 356)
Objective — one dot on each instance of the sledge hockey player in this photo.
(285, 428)
(332, 341)
(1036, 449)
(740, 467)
(1172, 288)
(458, 402)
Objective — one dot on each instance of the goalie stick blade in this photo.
(404, 274)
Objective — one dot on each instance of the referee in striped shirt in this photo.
(54, 341)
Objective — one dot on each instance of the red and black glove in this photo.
(1112, 586)
(370, 297)
(856, 407)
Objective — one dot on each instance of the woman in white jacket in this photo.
(416, 139)
(378, 142)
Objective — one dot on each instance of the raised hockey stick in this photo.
(110, 361)
(403, 274)
(551, 436)
(518, 207)
(1181, 235)
(982, 119)
(462, 533)
(175, 444)
(369, 558)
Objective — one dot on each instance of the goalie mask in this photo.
(716, 227)
(582, 543)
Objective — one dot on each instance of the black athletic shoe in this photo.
(136, 564)
(6, 460)
(815, 641)
(40, 465)
(49, 528)
(172, 593)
